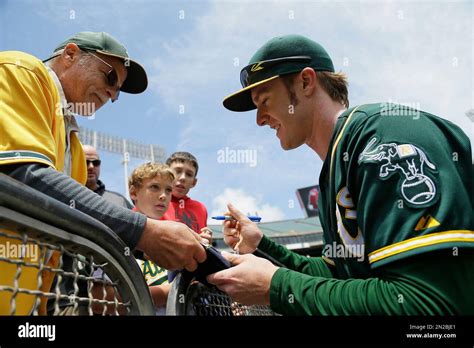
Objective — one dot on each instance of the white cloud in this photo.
(246, 203)
(404, 51)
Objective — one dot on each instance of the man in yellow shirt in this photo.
(39, 147)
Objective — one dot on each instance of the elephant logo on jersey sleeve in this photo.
(410, 162)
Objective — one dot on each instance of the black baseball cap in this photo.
(279, 56)
(104, 43)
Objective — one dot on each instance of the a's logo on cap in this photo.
(256, 67)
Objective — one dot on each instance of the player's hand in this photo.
(171, 245)
(206, 233)
(241, 234)
(248, 282)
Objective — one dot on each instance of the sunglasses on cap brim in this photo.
(265, 64)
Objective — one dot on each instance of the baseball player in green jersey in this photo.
(396, 198)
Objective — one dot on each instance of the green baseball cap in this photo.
(104, 43)
(280, 56)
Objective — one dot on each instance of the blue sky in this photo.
(420, 53)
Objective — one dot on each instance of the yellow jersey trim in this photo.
(24, 154)
(418, 242)
(334, 147)
(328, 261)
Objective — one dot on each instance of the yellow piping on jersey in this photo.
(418, 242)
(25, 156)
(328, 261)
(333, 150)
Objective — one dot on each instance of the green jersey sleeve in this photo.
(313, 266)
(424, 286)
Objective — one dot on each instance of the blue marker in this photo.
(228, 217)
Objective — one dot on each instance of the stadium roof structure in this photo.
(295, 234)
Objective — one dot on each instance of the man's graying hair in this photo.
(83, 57)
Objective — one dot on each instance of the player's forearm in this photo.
(314, 266)
(128, 225)
(293, 293)
(298, 294)
(418, 287)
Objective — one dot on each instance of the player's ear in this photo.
(194, 182)
(309, 81)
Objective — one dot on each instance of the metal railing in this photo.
(38, 236)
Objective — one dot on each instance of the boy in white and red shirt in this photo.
(182, 208)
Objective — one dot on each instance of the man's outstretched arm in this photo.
(170, 244)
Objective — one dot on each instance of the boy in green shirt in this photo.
(151, 186)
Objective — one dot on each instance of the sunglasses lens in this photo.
(95, 163)
(112, 81)
(112, 78)
(116, 96)
(244, 75)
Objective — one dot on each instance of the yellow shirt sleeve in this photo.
(30, 114)
(31, 130)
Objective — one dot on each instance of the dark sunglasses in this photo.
(111, 76)
(95, 163)
(265, 64)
